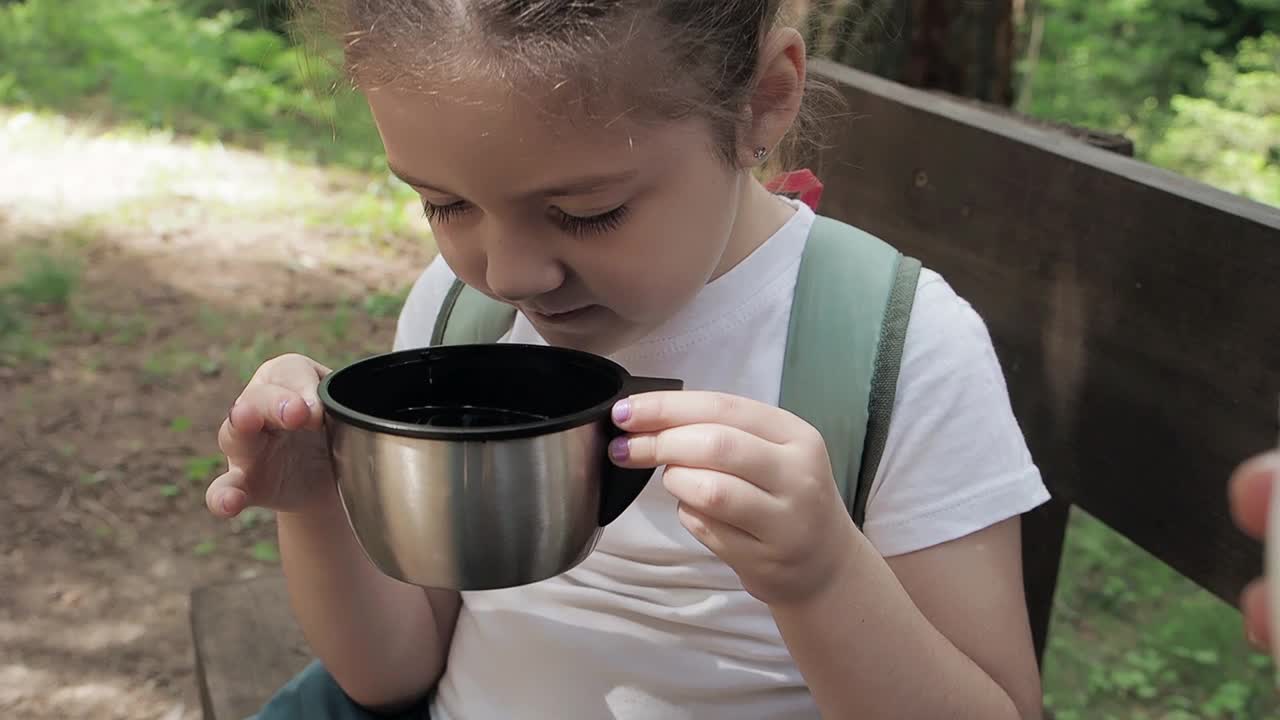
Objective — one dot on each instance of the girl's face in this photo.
(598, 232)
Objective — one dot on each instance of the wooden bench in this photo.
(247, 644)
(1134, 312)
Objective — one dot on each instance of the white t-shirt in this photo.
(652, 624)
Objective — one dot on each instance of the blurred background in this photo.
(185, 192)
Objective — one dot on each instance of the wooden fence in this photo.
(1136, 312)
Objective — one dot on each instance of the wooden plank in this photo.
(247, 645)
(1044, 530)
(1135, 311)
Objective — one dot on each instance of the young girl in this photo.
(591, 163)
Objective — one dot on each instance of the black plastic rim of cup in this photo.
(559, 423)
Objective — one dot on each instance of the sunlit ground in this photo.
(142, 278)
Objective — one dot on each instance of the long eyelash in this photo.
(572, 224)
(602, 223)
(442, 213)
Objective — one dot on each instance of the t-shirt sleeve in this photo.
(418, 316)
(955, 460)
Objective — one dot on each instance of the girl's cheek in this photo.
(468, 265)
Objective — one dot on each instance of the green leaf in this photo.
(210, 366)
(169, 490)
(265, 551)
(180, 424)
(1205, 657)
(205, 548)
(1231, 697)
(200, 469)
(382, 305)
(252, 516)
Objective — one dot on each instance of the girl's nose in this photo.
(518, 269)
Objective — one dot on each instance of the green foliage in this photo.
(1194, 83)
(203, 469)
(385, 305)
(1230, 137)
(157, 64)
(204, 548)
(267, 14)
(45, 280)
(1114, 64)
(265, 551)
(1133, 639)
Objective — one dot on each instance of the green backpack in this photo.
(849, 317)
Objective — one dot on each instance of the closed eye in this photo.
(444, 213)
(594, 224)
(576, 225)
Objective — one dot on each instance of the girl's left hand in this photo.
(754, 484)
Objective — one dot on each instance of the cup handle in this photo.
(622, 486)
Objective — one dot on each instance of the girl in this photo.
(591, 163)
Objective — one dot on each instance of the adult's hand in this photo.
(1251, 489)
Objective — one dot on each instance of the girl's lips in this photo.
(559, 318)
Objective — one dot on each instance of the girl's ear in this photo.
(775, 101)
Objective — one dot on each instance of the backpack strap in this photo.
(853, 300)
(469, 316)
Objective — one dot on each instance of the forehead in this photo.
(485, 136)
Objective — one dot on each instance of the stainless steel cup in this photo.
(475, 467)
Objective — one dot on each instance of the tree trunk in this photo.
(963, 47)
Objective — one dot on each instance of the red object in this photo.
(802, 184)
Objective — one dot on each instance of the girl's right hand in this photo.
(274, 442)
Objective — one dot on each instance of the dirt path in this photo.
(184, 267)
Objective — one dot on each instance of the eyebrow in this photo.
(574, 186)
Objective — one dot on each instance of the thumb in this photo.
(228, 495)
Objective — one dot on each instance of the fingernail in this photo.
(622, 410)
(284, 404)
(310, 402)
(222, 502)
(620, 449)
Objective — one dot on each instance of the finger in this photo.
(292, 370)
(1257, 615)
(228, 495)
(712, 447)
(242, 439)
(262, 410)
(727, 542)
(300, 374)
(268, 406)
(651, 412)
(725, 498)
(1250, 493)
